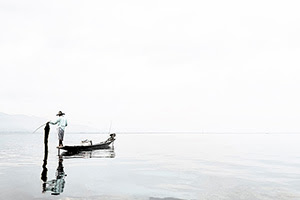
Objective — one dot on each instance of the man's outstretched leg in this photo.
(60, 143)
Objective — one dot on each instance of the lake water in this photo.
(154, 167)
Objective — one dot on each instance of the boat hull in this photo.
(79, 148)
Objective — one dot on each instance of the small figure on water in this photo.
(61, 125)
(111, 138)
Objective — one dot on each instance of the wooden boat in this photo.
(83, 147)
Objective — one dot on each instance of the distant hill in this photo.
(24, 123)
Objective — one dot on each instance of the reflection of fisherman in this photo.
(61, 123)
(56, 185)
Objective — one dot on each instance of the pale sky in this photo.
(225, 66)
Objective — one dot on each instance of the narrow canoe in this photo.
(90, 147)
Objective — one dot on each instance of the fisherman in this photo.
(61, 123)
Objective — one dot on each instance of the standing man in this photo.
(61, 125)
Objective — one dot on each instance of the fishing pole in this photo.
(110, 127)
(39, 127)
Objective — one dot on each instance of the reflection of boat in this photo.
(103, 153)
(90, 146)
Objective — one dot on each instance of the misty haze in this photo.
(156, 100)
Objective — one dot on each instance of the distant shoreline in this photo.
(154, 132)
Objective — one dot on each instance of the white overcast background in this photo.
(167, 65)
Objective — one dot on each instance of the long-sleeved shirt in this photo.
(61, 122)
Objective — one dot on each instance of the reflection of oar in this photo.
(39, 128)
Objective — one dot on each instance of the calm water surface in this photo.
(153, 166)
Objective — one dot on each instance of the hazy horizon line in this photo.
(154, 132)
